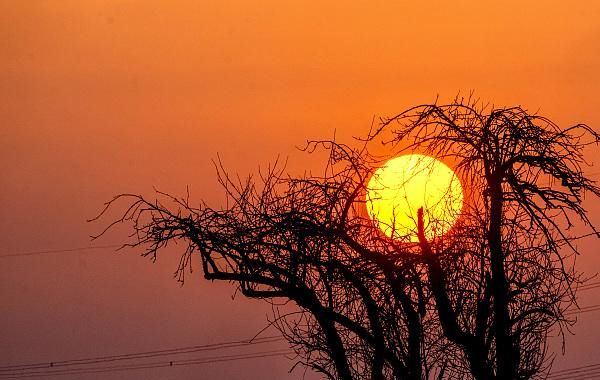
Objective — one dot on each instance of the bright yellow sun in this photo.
(406, 183)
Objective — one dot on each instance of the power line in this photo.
(162, 364)
(66, 250)
(582, 372)
(79, 249)
(589, 286)
(141, 355)
(593, 376)
(54, 368)
(585, 309)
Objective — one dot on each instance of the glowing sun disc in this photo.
(402, 185)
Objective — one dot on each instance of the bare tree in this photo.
(478, 302)
(509, 278)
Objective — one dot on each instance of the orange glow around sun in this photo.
(406, 183)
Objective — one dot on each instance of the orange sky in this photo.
(102, 97)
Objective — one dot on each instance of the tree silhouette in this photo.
(478, 302)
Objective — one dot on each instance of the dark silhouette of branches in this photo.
(477, 302)
(526, 184)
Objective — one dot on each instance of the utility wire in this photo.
(162, 364)
(589, 286)
(66, 250)
(591, 371)
(584, 309)
(78, 249)
(582, 372)
(141, 355)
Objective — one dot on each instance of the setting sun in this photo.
(406, 183)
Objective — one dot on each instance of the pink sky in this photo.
(102, 97)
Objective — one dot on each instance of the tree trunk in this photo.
(502, 331)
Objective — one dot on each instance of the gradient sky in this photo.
(102, 97)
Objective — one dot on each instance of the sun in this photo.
(406, 183)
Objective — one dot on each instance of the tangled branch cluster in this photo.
(477, 303)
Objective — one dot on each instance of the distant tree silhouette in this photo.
(478, 302)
